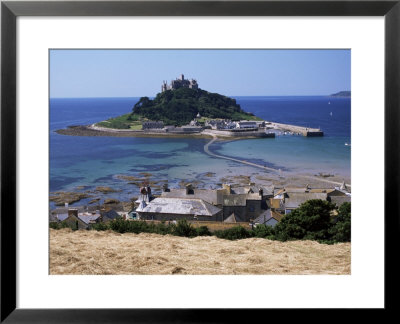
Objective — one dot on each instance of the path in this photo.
(206, 150)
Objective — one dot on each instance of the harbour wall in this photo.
(305, 131)
(243, 133)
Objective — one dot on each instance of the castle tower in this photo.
(182, 77)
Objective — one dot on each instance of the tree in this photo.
(311, 220)
(341, 229)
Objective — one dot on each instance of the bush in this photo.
(341, 227)
(161, 228)
(100, 227)
(54, 225)
(263, 231)
(234, 233)
(124, 226)
(183, 228)
(61, 225)
(203, 231)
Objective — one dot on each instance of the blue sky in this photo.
(136, 73)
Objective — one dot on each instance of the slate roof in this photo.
(231, 219)
(64, 210)
(183, 206)
(109, 215)
(263, 217)
(241, 190)
(252, 189)
(322, 190)
(88, 218)
(210, 196)
(62, 217)
(339, 200)
(235, 200)
(295, 199)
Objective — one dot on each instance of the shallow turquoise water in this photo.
(97, 161)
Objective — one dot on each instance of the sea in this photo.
(80, 163)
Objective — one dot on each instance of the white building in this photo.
(246, 124)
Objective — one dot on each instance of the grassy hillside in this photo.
(126, 121)
(93, 252)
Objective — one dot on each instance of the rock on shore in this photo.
(62, 197)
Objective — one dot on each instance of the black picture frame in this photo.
(10, 10)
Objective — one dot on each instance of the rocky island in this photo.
(341, 94)
(183, 109)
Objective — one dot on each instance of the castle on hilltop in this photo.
(180, 82)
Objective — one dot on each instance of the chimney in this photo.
(73, 212)
(165, 187)
(189, 189)
(260, 192)
(227, 188)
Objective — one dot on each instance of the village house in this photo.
(247, 125)
(166, 209)
(287, 199)
(152, 125)
(245, 203)
(269, 218)
(81, 217)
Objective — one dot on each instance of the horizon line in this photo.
(294, 95)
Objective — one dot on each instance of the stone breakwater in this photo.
(92, 130)
(305, 131)
(89, 130)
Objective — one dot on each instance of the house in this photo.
(294, 199)
(152, 125)
(244, 202)
(246, 124)
(231, 219)
(215, 124)
(269, 218)
(287, 199)
(165, 209)
(340, 200)
(212, 196)
(108, 215)
(82, 220)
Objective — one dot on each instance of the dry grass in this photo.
(92, 252)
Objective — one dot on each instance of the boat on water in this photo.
(347, 144)
(331, 113)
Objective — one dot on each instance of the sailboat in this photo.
(330, 113)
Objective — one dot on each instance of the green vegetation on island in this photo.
(126, 121)
(178, 107)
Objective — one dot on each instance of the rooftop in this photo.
(295, 199)
(210, 196)
(184, 206)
